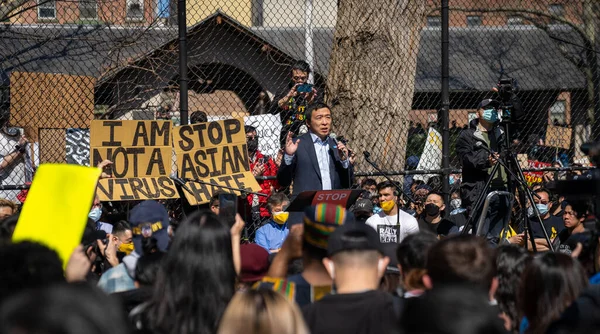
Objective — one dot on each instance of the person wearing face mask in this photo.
(473, 146)
(554, 225)
(95, 215)
(272, 234)
(392, 224)
(123, 238)
(432, 218)
(260, 165)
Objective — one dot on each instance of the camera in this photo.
(304, 88)
(506, 88)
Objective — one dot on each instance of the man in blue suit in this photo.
(315, 161)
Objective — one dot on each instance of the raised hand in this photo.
(290, 146)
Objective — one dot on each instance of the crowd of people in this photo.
(402, 258)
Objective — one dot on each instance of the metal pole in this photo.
(308, 38)
(183, 67)
(445, 110)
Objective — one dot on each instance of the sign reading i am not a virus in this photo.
(213, 152)
(141, 152)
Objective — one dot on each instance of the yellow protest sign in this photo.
(141, 152)
(57, 206)
(213, 152)
(137, 188)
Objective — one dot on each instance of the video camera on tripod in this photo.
(506, 92)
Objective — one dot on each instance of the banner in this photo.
(141, 152)
(213, 152)
(431, 158)
(535, 177)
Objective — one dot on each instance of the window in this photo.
(514, 20)
(88, 9)
(434, 21)
(473, 20)
(558, 112)
(135, 9)
(46, 9)
(557, 10)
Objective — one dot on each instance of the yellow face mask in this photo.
(387, 206)
(281, 217)
(126, 248)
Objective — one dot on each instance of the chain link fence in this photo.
(376, 63)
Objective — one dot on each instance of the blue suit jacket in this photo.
(304, 169)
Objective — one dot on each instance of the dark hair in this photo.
(463, 259)
(149, 245)
(435, 193)
(549, 284)
(196, 280)
(417, 182)
(28, 265)
(7, 226)
(368, 182)
(276, 198)
(314, 106)
(544, 190)
(412, 257)
(120, 227)
(451, 309)
(198, 117)
(511, 261)
(65, 309)
(147, 266)
(387, 184)
(313, 252)
(214, 198)
(249, 128)
(301, 65)
(435, 182)
(580, 208)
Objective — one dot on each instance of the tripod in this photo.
(515, 174)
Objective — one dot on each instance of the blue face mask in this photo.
(542, 208)
(452, 179)
(95, 214)
(490, 115)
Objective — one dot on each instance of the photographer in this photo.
(472, 148)
(291, 103)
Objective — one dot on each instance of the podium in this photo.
(345, 198)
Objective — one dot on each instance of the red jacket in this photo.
(265, 185)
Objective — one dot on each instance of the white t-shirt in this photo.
(387, 228)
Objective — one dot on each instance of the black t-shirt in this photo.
(361, 313)
(554, 225)
(565, 243)
(441, 228)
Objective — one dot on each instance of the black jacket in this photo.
(474, 161)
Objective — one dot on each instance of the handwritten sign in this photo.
(213, 152)
(78, 146)
(141, 152)
(268, 128)
(558, 136)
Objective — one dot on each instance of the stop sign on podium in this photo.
(343, 198)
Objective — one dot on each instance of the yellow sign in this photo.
(141, 152)
(57, 206)
(216, 153)
(136, 188)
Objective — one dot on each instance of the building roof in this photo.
(477, 55)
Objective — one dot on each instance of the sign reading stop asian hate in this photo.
(213, 152)
(141, 152)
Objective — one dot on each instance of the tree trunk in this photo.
(592, 73)
(371, 77)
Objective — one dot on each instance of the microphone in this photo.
(180, 182)
(366, 154)
(342, 154)
(367, 158)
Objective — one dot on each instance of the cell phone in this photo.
(304, 88)
(262, 160)
(227, 208)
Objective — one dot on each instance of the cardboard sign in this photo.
(57, 206)
(558, 136)
(268, 128)
(136, 148)
(141, 153)
(535, 177)
(135, 189)
(213, 152)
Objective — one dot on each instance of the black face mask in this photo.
(432, 210)
(252, 145)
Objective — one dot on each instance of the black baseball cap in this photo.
(363, 205)
(488, 103)
(353, 236)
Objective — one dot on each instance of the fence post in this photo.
(183, 67)
(445, 110)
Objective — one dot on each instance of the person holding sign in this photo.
(315, 161)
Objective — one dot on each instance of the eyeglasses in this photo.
(298, 78)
